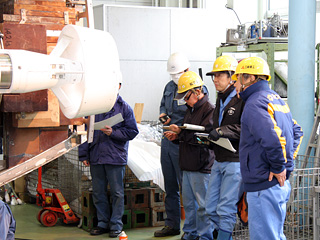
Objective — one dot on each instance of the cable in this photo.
(234, 12)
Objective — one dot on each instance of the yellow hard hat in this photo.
(224, 63)
(254, 66)
(187, 81)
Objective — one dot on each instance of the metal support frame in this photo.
(313, 147)
(41, 159)
(316, 213)
(318, 73)
(268, 48)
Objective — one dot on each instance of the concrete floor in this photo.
(29, 228)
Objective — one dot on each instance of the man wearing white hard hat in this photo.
(172, 112)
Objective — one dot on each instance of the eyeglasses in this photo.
(187, 98)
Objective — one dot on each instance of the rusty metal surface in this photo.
(52, 136)
(39, 160)
(25, 102)
(20, 144)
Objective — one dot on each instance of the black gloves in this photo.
(215, 134)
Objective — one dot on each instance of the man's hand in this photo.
(175, 128)
(170, 135)
(214, 135)
(281, 177)
(86, 163)
(107, 130)
(168, 120)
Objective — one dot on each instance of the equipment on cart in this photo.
(53, 205)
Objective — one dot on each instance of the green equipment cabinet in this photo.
(269, 48)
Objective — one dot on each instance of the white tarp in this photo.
(144, 161)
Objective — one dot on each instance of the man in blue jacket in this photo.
(7, 222)
(107, 157)
(172, 112)
(269, 142)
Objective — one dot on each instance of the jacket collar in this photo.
(223, 96)
(261, 85)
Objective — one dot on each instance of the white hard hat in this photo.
(177, 62)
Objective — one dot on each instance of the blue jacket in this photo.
(270, 138)
(170, 106)
(111, 149)
(7, 222)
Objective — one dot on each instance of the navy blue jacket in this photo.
(111, 149)
(270, 138)
(170, 106)
(7, 222)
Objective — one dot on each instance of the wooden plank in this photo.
(24, 2)
(50, 49)
(64, 121)
(25, 102)
(44, 11)
(44, 3)
(25, 36)
(51, 39)
(52, 23)
(50, 118)
(138, 110)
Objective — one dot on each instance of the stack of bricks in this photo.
(89, 212)
(144, 207)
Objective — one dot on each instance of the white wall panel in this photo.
(146, 37)
(99, 14)
(194, 31)
(124, 2)
(143, 82)
(141, 33)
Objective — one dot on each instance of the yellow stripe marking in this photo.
(280, 108)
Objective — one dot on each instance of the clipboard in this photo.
(222, 142)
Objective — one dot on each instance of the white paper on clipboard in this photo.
(223, 142)
(110, 122)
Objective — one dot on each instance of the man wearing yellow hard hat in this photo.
(195, 159)
(269, 142)
(223, 188)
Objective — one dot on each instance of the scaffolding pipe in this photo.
(301, 65)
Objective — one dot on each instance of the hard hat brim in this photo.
(209, 73)
(180, 96)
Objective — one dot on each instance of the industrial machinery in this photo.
(84, 83)
(273, 29)
(54, 205)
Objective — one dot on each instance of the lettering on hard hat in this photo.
(248, 67)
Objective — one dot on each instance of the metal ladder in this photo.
(313, 144)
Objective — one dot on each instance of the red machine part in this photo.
(54, 206)
(48, 218)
